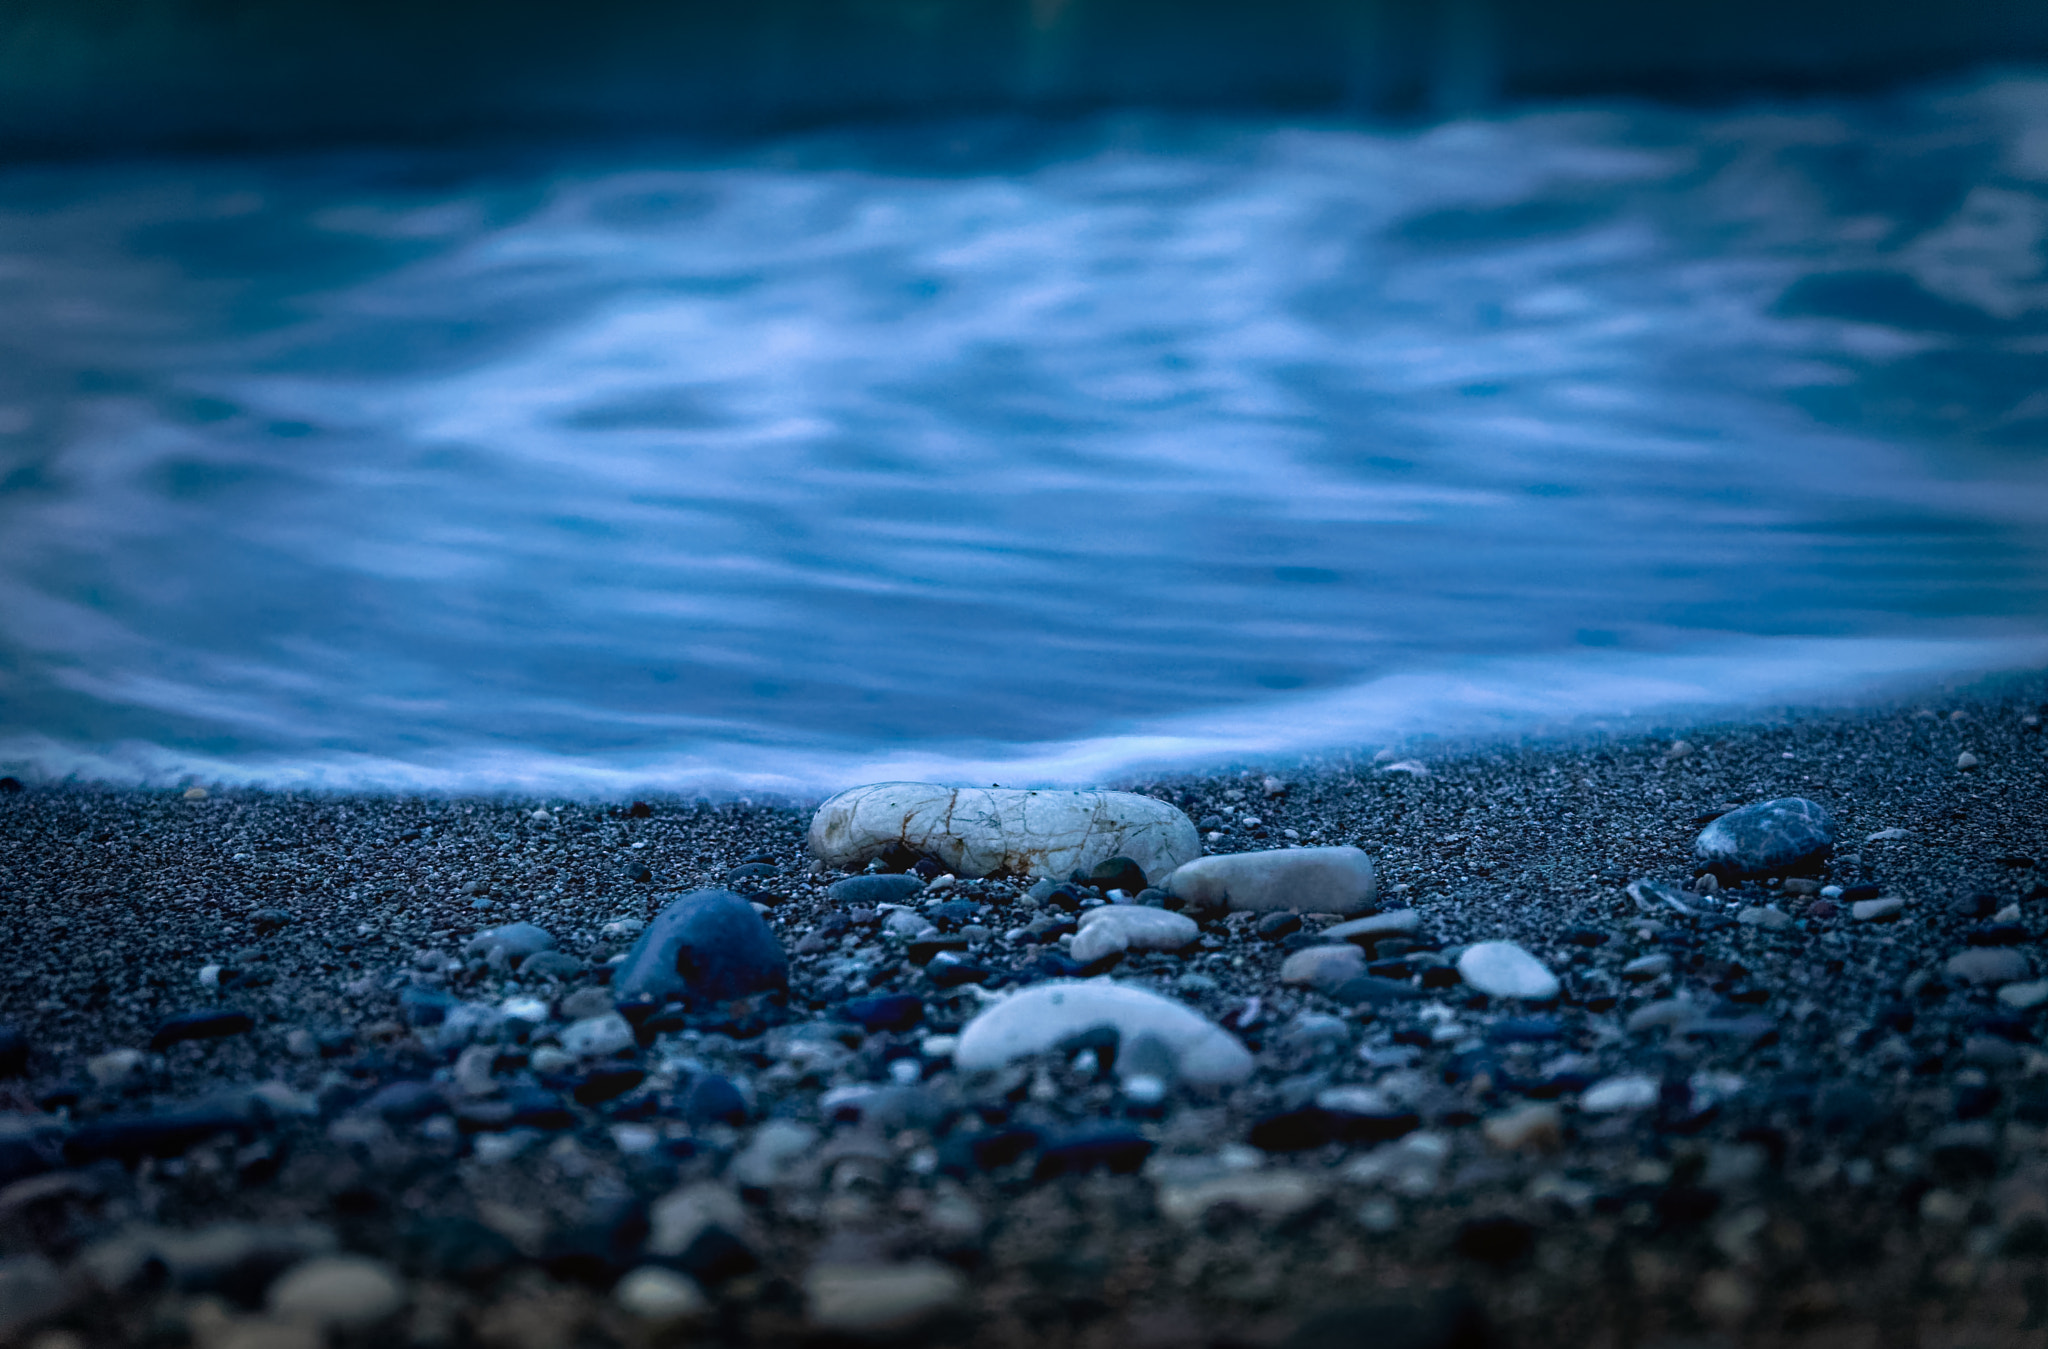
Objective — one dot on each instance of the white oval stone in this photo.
(1501, 969)
(1130, 927)
(1631, 1091)
(338, 1291)
(653, 1293)
(1323, 967)
(596, 1036)
(1307, 880)
(998, 831)
(866, 1299)
(1038, 1018)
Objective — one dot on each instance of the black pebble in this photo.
(1121, 1152)
(607, 1084)
(921, 951)
(208, 1024)
(1274, 926)
(1997, 934)
(130, 1138)
(1293, 1130)
(954, 913)
(713, 1099)
(1115, 873)
(1496, 1241)
(10, 785)
(954, 973)
(639, 810)
(1861, 892)
(1974, 906)
(13, 1052)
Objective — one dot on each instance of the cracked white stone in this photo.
(1038, 1018)
(1002, 831)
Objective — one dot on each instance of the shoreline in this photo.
(1863, 1139)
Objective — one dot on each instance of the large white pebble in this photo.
(338, 1291)
(596, 1036)
(1130, 927)
(1003, 831)
(1307, 880)
(1038, 1018)
(872, 1299)
(1501, 969)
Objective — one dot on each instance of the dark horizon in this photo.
(95, 76)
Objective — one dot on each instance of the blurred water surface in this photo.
(1012, 449)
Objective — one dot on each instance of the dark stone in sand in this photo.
(460, 1249)
(638, 872)
(876, 889)
(607, 1084)
(1430, 1321)
(13, 1052)
(750, 876)
(1997, 934)
(207, 1024)
(130, 1138)
(29, 1155)
(10, 785)
(538, 1108)
(1525, 1030)
(1787, 834)
(921, 951)
(954, 913)
(406, 1102)
(954, 973)
(1497, 1241)
(1067, 897)
(1274, 926)
(1368, 990)
(1292, 1130)
(712, 1099)
(1114, 873)
(888, 1012)
(1121, 1152)
(1975, 906)
(708, 946)
(639, 810)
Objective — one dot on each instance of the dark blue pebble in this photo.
(30, 1155)
(1749, 1031)
(716, 1256)
(208, 1024)
(750, 876)
(534, 1108)
(871, 890)
(712, 1099)
(954, 913)
(459, 1249)
(1121, 1152)
(708, 946)
(1367, 990)
(889, 1012)
(406, 1102)
(1787, 834)
(1312, 1126)
(424, 1006)
(1857, 893)
(1525, 1030)
(992, 1151)
(1997, 934)
(130, 1138)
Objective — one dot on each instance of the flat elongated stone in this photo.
(1786, 834)
(998, 831)
(1376, 928)
(1130, 927)
(1987, 965)
(1323, 967)
(1307, 880)
(1631, 1091)
(880, 1299)
(1041, 1017)
(1501, 969)
(708, 946)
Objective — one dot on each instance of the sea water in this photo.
(1012, 450)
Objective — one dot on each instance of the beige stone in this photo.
(998, 831)
(1308, 880)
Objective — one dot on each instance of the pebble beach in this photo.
(291, 1070)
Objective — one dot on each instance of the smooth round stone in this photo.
(1630, 1091)
(1036, 1019)
(708, 946)
(597, 1036)
(1882, 910)
(1645, 968)
(1323, 967)
(340, 1292)
(1501, 969)
(1787, 834)
(998, 831)
(868, 891)
(1306, 880)
(870, 1299)
(1987, 965)
(519, 940)
(656, 1294)
(2023, 997)
(1127, 927)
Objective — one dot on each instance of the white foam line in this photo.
(1502, 697)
